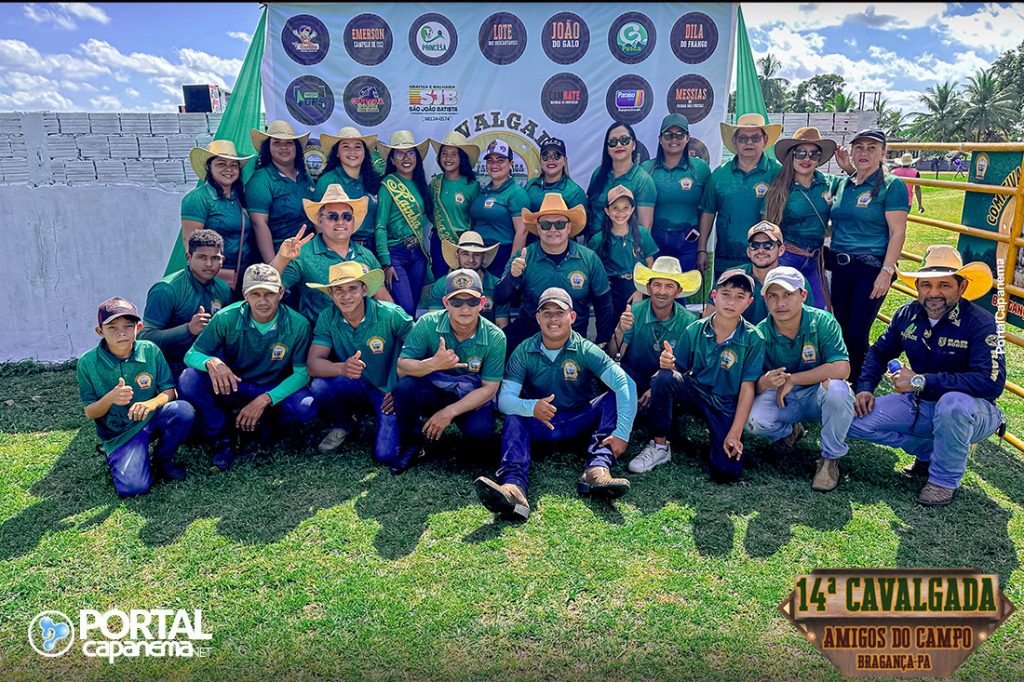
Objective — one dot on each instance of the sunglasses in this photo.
(399, 154)
(334, 216)
(669, 135)
(801, 154)
(749, 139)
(762, 246)
(550, 156)
(458, 302)
(614, 142)
(553, 225)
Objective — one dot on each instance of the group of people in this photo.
(274, 323)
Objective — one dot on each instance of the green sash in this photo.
(442, 221)
(410, 209)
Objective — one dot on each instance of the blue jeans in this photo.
(940, 431)
(832, 407)
(129, 464)
(411, 268)
(342, 398)
(501, 259)
(808, 267)
(438, 265)
(597, 417)
(673, 243)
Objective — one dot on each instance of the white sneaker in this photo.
(650, 457)
(333, 440)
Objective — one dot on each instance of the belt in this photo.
(865, 258)
(793, 248)
(628, 276)
(411, 242)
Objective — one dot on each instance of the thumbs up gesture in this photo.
(626, 321)
(667, 359)
(544, 411)
(519, 264)
(121, 394)
(353, 367)
(198, 322)
(445, 358)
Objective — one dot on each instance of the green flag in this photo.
(241, 115)
(749, 98)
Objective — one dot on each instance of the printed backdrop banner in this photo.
(543, 70)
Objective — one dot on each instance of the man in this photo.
(450, 368)
(944, 402)
(179, 306)
(548, 396)
(252, 355)
(354, 357)
(805, 372)
(734, 195)
(554, 177)
(711, 372)
(905, 169)
(471, 254)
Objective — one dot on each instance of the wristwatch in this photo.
(889, 268)
(917, 381)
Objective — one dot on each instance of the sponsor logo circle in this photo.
(692, 96)
(368, 39)
(309, 100)
(305, 39)
(631, 37)
(564, 97)
(502, 38)
(699, 149)
(51, 634)
(694, 37)
(629, 98)
(433, 39)
(565, 38)
(367, 100)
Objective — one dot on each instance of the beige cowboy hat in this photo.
(468, 241)
(351, 271)
(457, 139)
(222, 148)
(943, 261)
(906, 160)
(279, 130)
(667, 267)
(806, 136)
(327, 142)
(554, 204)
(336, 195)
(403, 139)
(772, 130)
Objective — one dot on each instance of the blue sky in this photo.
(136, 57)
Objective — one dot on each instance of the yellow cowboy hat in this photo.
(667, 267)
(809, 135)
(457, 139)
(403, 139)
(336, 195)
(772, 130)
(944, 261)
(468, 241)
(554, 204)
(279, 130)
(327, 142)
(222, 148)
(351, 271)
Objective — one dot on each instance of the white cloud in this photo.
(65, 14)
(20, 91)
(195, 66)
(131, 92)
(241, 35)
(813, 16)
(17, 54)
(106, 103)
(992, 29)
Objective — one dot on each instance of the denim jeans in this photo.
(673, 243)
(411, 268)
(129, 464)
(808, 267)
(342, 398)
(832, 407)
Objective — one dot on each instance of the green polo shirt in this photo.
(484, 352)
(758, 310)
(719, 369)
(819, 341)
(737, 197)
(573, 376)
(262, 359)
(223, 215)
(99, 370)
(495, 207)
(173, 300)
(679, 193)
(452, 204)
(491, 311)
(647, 336)
(379, 336)
(858, 219)
(313, 264)
(636, 180)
(620, 260)
(354, 189)
(807, 211)
(571, 192)
(275, 195)
(580, 273)
(392, 228)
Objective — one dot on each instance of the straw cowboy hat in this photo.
(468, 241)
(457, 139)
(279, 130)
(336, 195)
(667, 267)
(403, 139)
(772, 130)
(554, 204)
(943, 261)
(906, 160)
(806, 136)
(222, 148)
(351, 271)
(327, 142)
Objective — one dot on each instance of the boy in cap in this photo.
(252, 355)
(554, 177)
(127, 389)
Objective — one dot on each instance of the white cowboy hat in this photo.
(457, 139)
(772, 130)
(327, 142)
(468, 241)
(279, 130)
(222, 148)
(403, 139)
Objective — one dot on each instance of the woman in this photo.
(869, 225)
(497, 210)
(276, 189)
(679, 180)
(554, 177)
(619, 167)
(452, 192)
(350, 164)
(219, 205)
(620, 245)
(403, 209)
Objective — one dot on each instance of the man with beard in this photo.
(470, 254)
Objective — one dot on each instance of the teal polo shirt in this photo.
(679, 193)
(758, 310)
(580, 273)
(262, 359)
(313, 265)
(620, 259)
(453, 203)
(819, 341)
(807, 212)
(647, 336)
(226, 217)
(858, 219)
(491, 311)
(354, 189)
(379, 336)
(573, 376)
(494, 208)
(571, 192)
(99, 370)
(275, 195)
(719, 369)
(636, 180)
(483, 353)
(173, 300)
(392, 228)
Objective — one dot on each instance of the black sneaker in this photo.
(170, 471)
(223, 455)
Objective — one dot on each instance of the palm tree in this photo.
(892, 121)
(989, 112)
(840, 102)
(941, 121)
(773, 88)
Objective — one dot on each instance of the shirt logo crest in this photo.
(489, 202)
(215, 306)
(278, 351)
(686, 183)
(375, 344)
(809, 353)
(577, 279)
(864, 200)
(760, 189)
(570, 370)
(460, 198)
(728, 359)
(474, 364)
(827, 196)
(144, 381)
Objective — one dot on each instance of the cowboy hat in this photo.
(806, 136)
(457, 139)
(468, 241)
(279, 130)
(667, 267)
(772, 130)
(944, 261)
(554, 204)
(351, 271)
(403, 139)
(222, 148)
(327, 142)
(336, 195)
(906, 160)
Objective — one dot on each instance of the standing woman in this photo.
(350, 164)
(554, 177)
(219, 205)
(869, 225)
(497, 210)
(403, 211)
(452, 192)
(619, 155)
(620, 245)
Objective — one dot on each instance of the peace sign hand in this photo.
(291, 247)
